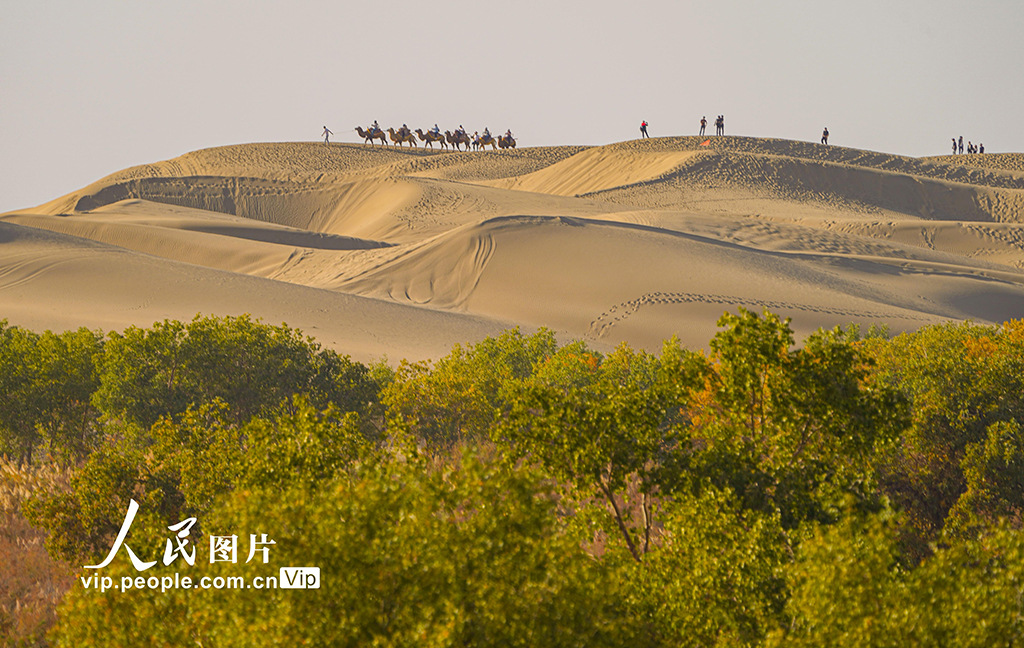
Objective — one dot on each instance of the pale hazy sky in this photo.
(88, 87)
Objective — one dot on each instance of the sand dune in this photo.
(54, 281)
(404, 252)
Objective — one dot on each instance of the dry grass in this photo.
(31, 583)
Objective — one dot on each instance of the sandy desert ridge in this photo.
(403, 252)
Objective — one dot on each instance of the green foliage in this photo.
(960, 379)
(67, 377)
(466, 554)
(18, 434)
(192, 462)
(46, 382)
(994, 472)
(849, 590)
(969, 594)
(717, 579)
(788, 429)
(89, 618)
(843, 586)
(301, 447)
(462, 395)
(82, 519)
(600, 426)
(253, 367)
(521, 493)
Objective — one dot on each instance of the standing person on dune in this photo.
(327, 135)
(824, 136)
(643, 130)
(703, 124)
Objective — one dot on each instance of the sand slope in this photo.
(380, 250)
(54, 281)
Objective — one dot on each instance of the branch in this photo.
(805, 438)
(618, 519)
(647, 523)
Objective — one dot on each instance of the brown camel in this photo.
(429, 137)
(457, 139)
(372, 135)
(488, 140)
(506, 142)
(398, 138)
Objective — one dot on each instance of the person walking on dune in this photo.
(327, 135)
(703, 124)
(961, 145)
(954, 146)
(643, 130)
(824, 136)
(981, 148)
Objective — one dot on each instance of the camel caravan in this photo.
(457, 139)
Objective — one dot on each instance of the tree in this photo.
(18, 409)
(410, 553)
(602, 427)
(994, 472)
(789, 429)
(180, 468)
(716, 579)
(847, 588)
(960, 379)
(66, 377)
(46, 382)
(252, 367)
(462, 396)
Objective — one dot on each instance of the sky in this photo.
(90, 88)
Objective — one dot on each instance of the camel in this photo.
(372, 135)
(488, 140)
(429, 137)
(398, 138)
(457, 139)
(506, 141)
